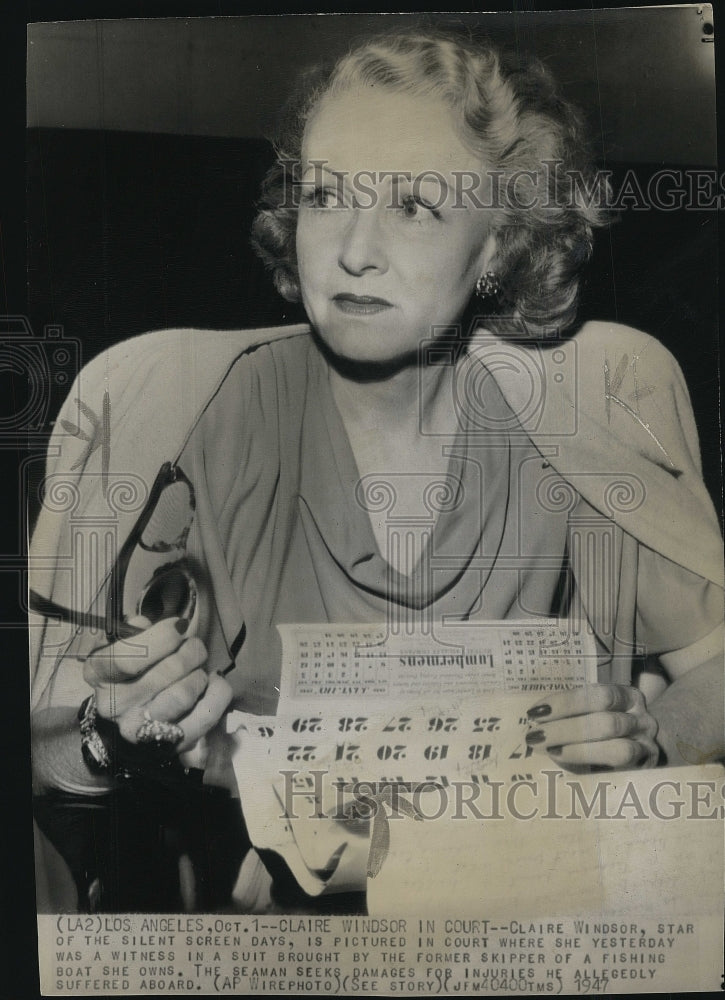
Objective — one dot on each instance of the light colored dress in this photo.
(592, 503)
(611, 500)
(283, 525)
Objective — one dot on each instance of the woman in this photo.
(416, 212)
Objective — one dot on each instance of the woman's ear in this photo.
(487, 256)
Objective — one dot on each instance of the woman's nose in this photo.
(362, 247)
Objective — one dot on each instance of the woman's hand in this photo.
(604, 725)
(157, 675)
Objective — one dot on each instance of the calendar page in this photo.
(369, 722)
(342, 661)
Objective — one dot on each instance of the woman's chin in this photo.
(368, 365)
(370, 353)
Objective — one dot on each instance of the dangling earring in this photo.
(488, 286)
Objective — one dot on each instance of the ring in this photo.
(156, 731)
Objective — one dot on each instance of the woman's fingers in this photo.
(169, 705)
(113, 700)
(127, 659)
(158, 675)
(589, 728)
(178, 699)
(206, 713)
(190, 655)
(617, 754)
(586, 700)
(603, 724)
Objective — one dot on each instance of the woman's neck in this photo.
(394, 427)
(397, 400)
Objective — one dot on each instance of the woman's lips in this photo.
(360, 305)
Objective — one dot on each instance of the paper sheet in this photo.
(367, 722)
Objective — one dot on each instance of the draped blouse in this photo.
(283, 531)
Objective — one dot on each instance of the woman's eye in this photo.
(322, 197)
(413, 207)
(327, 198)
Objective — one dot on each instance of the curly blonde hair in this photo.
(508, 111)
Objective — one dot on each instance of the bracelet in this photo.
(95, 752)
(106, 752)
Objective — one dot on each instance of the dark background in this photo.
(136, 221)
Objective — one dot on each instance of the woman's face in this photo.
(387, 246)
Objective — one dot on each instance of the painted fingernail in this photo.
(182, 625)
(555, 750)
(539, 711)
(535, 736)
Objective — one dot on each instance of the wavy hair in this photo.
(549, 197)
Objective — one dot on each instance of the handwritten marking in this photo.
(99, 438)
(612, 383)
(380, 834)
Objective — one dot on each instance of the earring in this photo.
(488, 286)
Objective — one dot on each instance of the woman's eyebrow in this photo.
(317, 167)
(423, 177)
(394, 176)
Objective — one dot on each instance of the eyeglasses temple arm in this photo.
(49, 609)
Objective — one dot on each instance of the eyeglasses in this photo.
(152, 574)
(164, 587)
